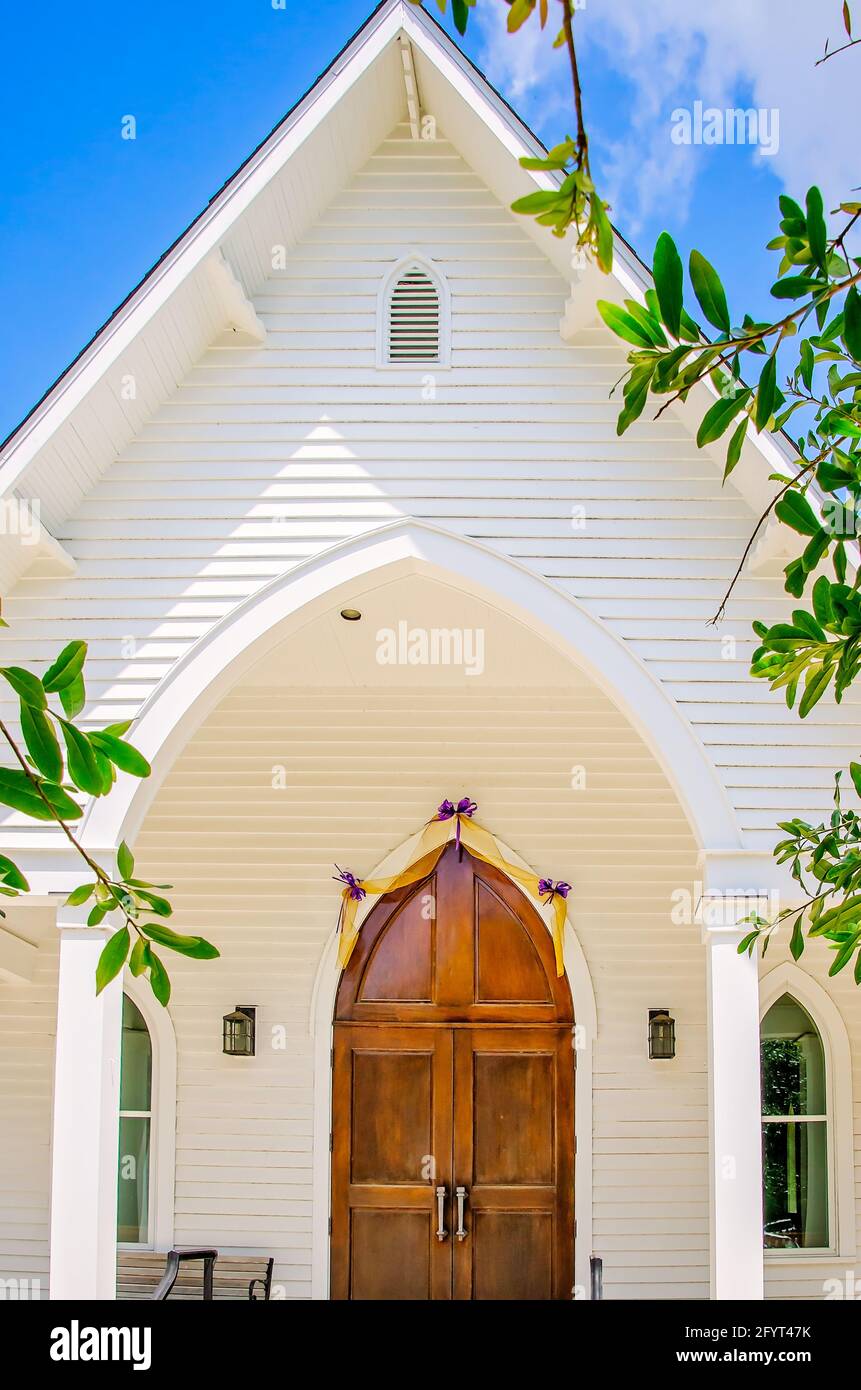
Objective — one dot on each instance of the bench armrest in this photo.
(265, 1281)
(171, 1270)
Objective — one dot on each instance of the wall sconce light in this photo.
(238, 1030)
(662, 1035)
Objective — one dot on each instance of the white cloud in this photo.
(670, 53)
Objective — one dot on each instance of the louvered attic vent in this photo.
(413, 327)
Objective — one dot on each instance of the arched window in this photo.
(413, 322)
(134, 1169)
(796, 1159)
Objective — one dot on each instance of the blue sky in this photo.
(84, 213)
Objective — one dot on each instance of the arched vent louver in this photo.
(413, 319)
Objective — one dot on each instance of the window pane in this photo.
(795, 1182)
(136, 1065)
(792, 1061)
(133, 1184)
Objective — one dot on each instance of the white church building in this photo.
(337, 501)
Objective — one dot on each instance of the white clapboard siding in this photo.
(266, 454)
(28, 1014)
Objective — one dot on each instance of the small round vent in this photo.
(413, 321)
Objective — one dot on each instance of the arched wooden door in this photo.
(453, 1071)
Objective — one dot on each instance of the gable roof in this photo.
(201, 286)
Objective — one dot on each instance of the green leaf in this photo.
(156, 904)
(794, 510)
(796, 944)
(852, 323)
(460, 14)
(623, 325)
(26, 686)
(113, 958)
(73, 697)
(855, 774)
(66, 808)
(821, 596)
(720, 416)
(195, 946)
(83, 768)
(766, 394)
(125, 862)
(138, 958)
(795, 287)
(80, 895)
(67, 666)
(41, 742)
(604, 235)
(158, 978)
(709, 292)
(17, 791)
(123, 754)
(733, 453)
(816, 230)
(636, 395)
(668, 273)
(815, 686)
(11, 875)
(543, 200)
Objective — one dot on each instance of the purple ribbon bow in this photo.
(548, 889)
(351, 882)
(447, 809)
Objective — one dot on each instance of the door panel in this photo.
(453, 1065)
(513, 1152)
(392, 1089)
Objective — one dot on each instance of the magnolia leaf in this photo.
(41, 742)
(158, 978)
(83, 768)
(113, 958)
(766, 394)
(709, 291)
(195, 946)
(668, 274)
(66, 668)
(852, 323)
(125, 862)
(126, 757)
(27, 687)
(620, 322)
(733, 453)
(794, 510)
(719, 417)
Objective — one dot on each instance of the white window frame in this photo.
(790, 979)
(443, 360)
(162, 1117)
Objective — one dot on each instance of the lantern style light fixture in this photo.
(238, 1031)
(662, 1035)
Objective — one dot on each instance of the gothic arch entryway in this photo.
(453, 1098)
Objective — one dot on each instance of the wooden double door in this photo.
(453, 1094)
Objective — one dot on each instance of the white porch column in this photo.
(85, 1121)
(735, 1155)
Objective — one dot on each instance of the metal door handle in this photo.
(461, 1231)
(441, 1232)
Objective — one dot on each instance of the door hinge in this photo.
(331, 1057)
(331, 1141)
(330, 1225)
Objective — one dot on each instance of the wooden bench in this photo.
(193, 1274)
